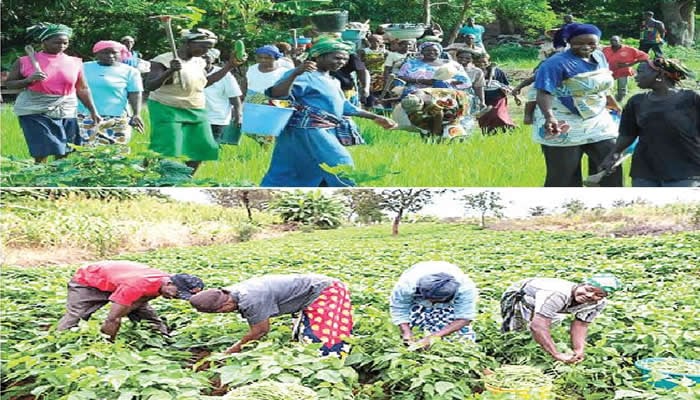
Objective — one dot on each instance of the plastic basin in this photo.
(646, 365)
(261, 119)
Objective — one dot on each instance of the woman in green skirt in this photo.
(176, 104)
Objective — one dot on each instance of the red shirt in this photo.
(128, 281)
(625, 54)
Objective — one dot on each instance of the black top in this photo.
(343, 75)
(669, 135)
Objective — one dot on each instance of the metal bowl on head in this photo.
(404, 31)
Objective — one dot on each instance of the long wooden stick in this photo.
(165, 19)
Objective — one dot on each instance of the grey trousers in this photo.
(621, 88)
(83, 301)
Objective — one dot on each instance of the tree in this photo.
(310, 207)
(401, 201)
(365, 203)
(257, 199)
(537, 211)
(484, 202)
(679, 18)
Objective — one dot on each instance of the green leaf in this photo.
(441, 387)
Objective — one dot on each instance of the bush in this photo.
(309, 208)
(246, 231)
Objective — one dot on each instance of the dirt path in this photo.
(60, 256)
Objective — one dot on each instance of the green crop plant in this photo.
(655, 315)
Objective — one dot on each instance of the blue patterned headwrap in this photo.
(269, 50)
(440, 287)
(575, 29)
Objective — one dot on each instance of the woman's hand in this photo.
(175, 65)
(97, 118)
(307, 66)
(609, 161)
(386, 123)
(233, 62)
(137, 123)
(551, 127)
(36, 77)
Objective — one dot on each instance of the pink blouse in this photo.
(62, 73)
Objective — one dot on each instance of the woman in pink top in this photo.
(47, 108)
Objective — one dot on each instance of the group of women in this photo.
(68, 102)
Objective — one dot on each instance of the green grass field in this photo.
(494, 161)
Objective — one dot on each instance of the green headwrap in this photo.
(607, 282)
(328, 45)
(44, 30)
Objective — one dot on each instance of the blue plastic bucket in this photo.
(646, 365)
(261, 119)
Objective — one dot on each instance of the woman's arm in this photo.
(232, 63)
(82, 90)
(283, 89)
(256, 332)
(545, 101)
(135, 103)
(159, 74)
(15, 80)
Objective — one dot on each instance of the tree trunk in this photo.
(246, 203)
(679, 18)
(397, 221)
(483, 219)
(426, 10)
(466, 6)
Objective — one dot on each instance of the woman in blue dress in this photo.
(573, 95)
(311, 137)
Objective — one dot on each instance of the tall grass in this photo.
(511, 159)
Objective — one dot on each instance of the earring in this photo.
(658, 79)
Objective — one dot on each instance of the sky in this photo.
(518, 201)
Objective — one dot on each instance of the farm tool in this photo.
(594, 180)
(167, 24)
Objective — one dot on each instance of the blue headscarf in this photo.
(575, 29)
(270, 50)
(440, 287)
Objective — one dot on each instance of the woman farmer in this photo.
(418, 73)
(311, 137)
(223, 98)
(572, 95)
(323, 304)
(435, 297)
(262, 75)
(667, 122)
(537, 303)
(47, 107)
(114, 85)
(176, 103)
(496, 91)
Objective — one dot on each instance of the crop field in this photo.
(654, 316)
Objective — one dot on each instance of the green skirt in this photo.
(179, 132)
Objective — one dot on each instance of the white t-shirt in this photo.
(395, 60)
(285, 62)
(259, 81)
(217, 98)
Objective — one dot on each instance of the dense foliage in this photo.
(654, 316)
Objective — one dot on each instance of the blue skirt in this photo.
(299, 152)
(49, 137)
